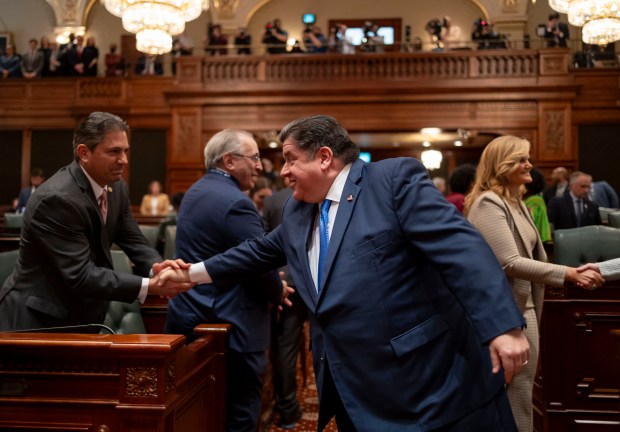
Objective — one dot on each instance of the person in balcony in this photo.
(556, 32)
(32, 61)
(10, 63)
(149, 65)
(275, 37)
(90, 57)
(451, 35)
(114, 62)
(314, 40)
(243, 41)
(216, 43)
(494, 206)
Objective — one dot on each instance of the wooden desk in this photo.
(577, 389)
(108, 383)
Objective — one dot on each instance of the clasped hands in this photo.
(180, 274)
(589, 276)
(169, 288)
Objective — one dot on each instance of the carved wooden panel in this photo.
(186, 146)
(555, 131)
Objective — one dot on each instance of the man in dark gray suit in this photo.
(64, 275)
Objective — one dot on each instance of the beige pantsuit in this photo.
(510, 231)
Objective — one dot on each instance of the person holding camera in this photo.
(275, 37)
(556, 32)
(314, 40)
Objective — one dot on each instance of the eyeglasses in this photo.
(254, 158)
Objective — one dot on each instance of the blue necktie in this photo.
(323, 237)
(579, 212)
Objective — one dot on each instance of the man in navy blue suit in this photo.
(412, 318)
(214, 216)
(574, 209)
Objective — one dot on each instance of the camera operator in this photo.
(486, 37)
(556, 32)
(451, 34)
(433, 28)
(372, 42)
(243, 41)
(275, 37)
(338, 41)
(314, 40)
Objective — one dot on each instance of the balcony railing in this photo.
(252, 72)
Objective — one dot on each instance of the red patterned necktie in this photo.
(103, 204)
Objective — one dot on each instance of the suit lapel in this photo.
(305, 220)
(348, 199)
(89, 196)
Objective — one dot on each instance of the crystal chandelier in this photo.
(155, 21)
(600, 19)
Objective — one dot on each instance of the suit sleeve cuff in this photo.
(198, 273)
(144, 290)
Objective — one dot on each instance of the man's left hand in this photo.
(510, 351)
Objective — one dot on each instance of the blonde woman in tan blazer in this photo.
(155, 203)
(496, 209)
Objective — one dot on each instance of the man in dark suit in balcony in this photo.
(556, 32)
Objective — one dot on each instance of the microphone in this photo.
(67, 329)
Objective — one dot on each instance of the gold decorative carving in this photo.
(554, 130)
(187, 135)
(509, 6)
(103, 428)
(69, 10)
(171, 376)
(226, 8)
(141, 381)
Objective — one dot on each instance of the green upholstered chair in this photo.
(151, 233)
(576, 246)
(123, 318)
(7, 264)
(604, 212)
(170, 239)
(614, 219)
(13, 220)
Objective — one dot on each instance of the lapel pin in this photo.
(109, 189)
(350, 198)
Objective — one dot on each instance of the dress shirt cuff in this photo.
(198, 273)
(144, 290)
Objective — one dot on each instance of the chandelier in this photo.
(600, 19)
(431, 159)
(155, 21)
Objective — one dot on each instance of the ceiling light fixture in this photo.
(431, 159)
(155, 21)
(600, 19)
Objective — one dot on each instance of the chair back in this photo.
(170, 239)
(604, 212)
(13, 220)
(576, 246)
(150, 232)
(7, 264)
(614, 219)
(123, 318)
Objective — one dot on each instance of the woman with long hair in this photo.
(495, 207)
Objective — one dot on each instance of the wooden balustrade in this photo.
(306, 68)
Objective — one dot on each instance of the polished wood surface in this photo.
(104, 383)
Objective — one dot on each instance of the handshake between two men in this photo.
(171, 277)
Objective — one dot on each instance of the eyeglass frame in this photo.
(255, 159)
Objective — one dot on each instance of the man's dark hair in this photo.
(554, 15)
(462, 179)
(37, 172)
(94, 129)
(312, 133)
